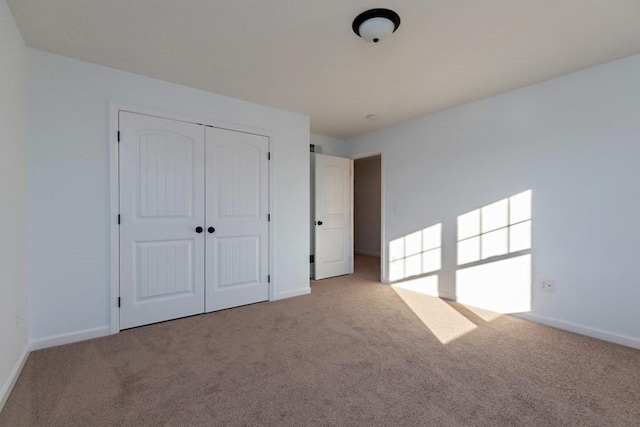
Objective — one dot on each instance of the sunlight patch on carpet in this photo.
(438, 316)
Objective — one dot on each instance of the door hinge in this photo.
(312, 148)
(118, 136)
(269, 278)
(268, 217)
(312, 259)
(118, 302)
(269, 155)
(118, 219)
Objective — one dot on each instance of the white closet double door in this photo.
(194, 233)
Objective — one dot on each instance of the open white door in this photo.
(237, 208)
(162, 219)
(333, 216)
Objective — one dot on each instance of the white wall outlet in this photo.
(547, 285)
(16, 317)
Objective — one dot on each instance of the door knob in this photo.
(199, 229)
(211, 229)
(319, 222)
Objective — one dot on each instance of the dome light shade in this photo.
(376, 29)
(376, 24)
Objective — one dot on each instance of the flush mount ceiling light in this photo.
(376, 24)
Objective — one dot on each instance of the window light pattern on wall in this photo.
(497, 229)
(416, 253)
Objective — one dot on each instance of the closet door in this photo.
(237, 245)
(162, 219)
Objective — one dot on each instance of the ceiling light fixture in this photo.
(376, 24)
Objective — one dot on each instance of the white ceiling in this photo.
(302, 56)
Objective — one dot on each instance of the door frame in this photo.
(114, 192)
(383, 250)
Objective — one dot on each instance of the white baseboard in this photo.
(571, 327)
(580, 329)
(5, 392)
(376, 254)
(291, 294)
(70, 337)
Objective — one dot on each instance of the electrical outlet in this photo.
(16, 317)
(547, 285)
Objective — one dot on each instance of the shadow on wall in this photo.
(494, 266)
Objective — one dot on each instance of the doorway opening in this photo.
(367, 216)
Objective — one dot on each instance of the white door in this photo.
(237, 209)
(161, 210)
(333, 216)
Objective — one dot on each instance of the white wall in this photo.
(330, 146)
(13, 203)
(69, 185)
(366, 205)
(575, 142)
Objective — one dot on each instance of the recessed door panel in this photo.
(237, 209)
(163, 269)
(165, 175)
(238, 180)
(161, 204)
(334, 189)
(239, 261)
(334, 246)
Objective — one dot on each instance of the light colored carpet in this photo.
(351, 353)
